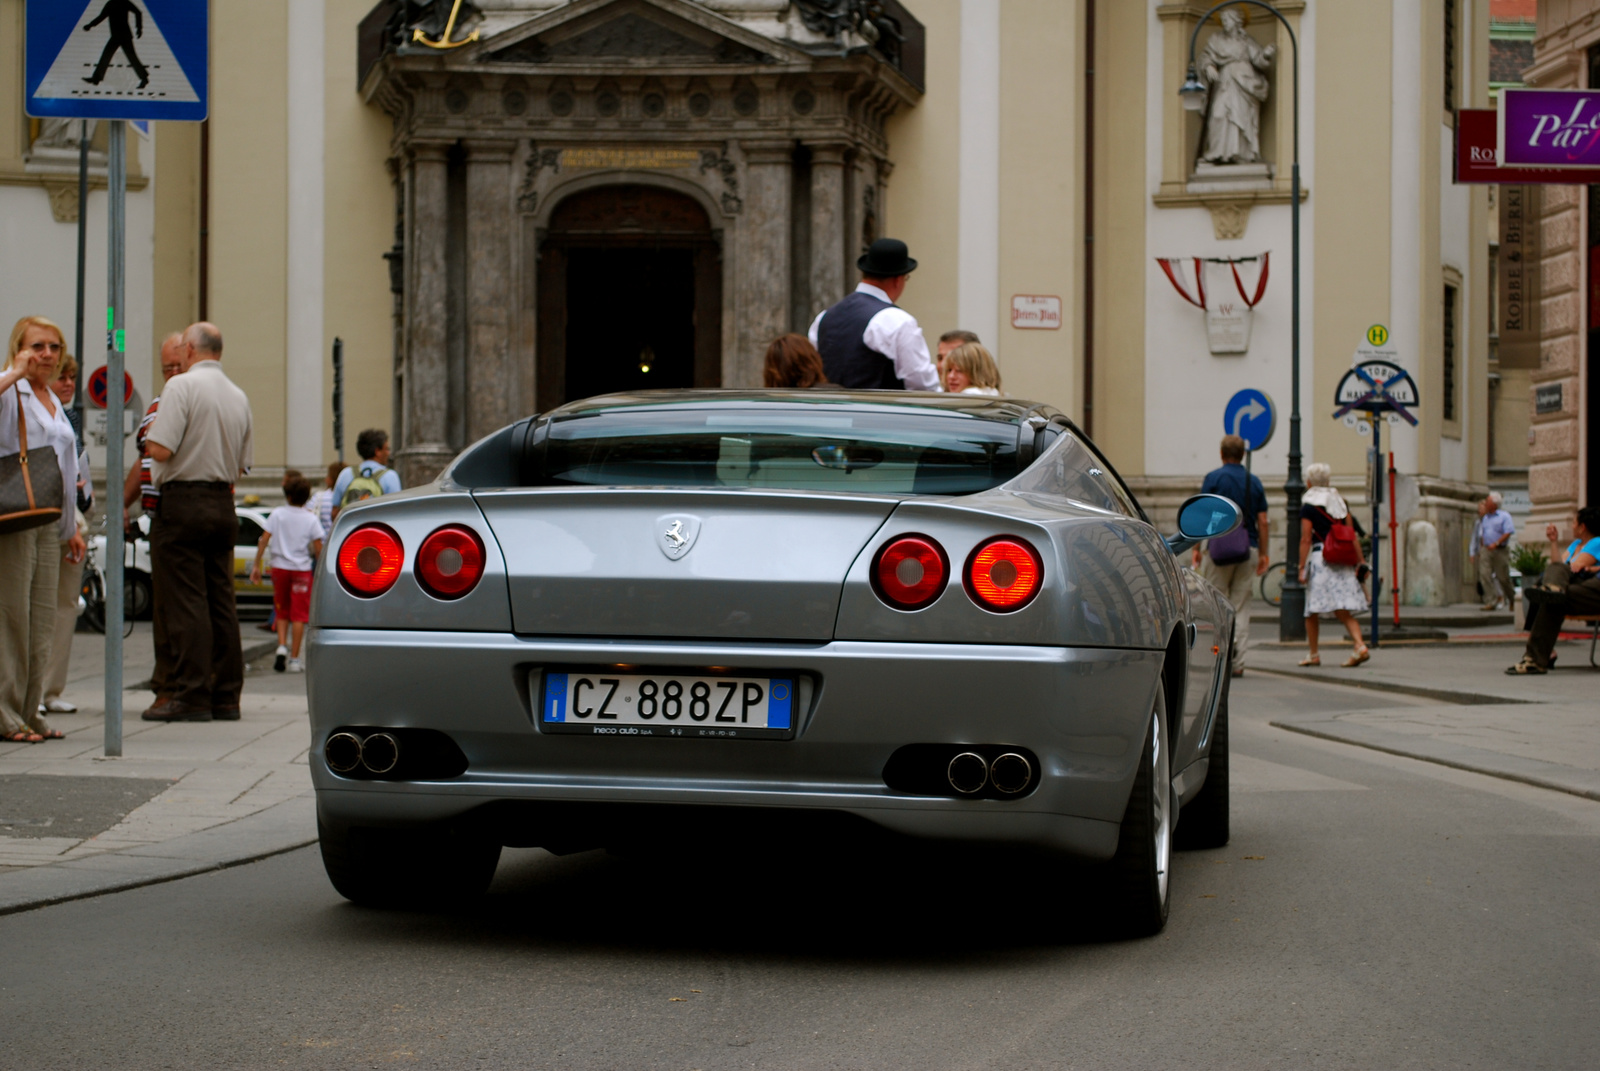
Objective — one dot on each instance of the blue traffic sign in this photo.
(1250, 415)
(117, 59)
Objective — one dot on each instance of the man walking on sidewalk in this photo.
(1233, 562)
(1491, 549)
(201, 444)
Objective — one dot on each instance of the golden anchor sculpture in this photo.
(449, 28)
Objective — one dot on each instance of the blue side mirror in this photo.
(1204, 517)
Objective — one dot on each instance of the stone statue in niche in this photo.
(61, 134)
(1231, 66)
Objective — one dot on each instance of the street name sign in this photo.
(1250, 415)
(1036, 312)
(117, 59)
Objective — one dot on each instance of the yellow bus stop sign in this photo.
(1377, 335)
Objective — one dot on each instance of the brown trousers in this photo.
(30, 561)
(192, 557)
(1545, 618)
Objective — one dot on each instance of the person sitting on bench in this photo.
(1570, 586)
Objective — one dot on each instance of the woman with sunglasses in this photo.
(30, 560)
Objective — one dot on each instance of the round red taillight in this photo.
(910, 572)
(450, 562)
(1004, 574)
(370, 559)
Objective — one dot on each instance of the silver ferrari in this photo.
(726, 615)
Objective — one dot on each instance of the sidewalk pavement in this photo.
(1543, 731)
(184, 797)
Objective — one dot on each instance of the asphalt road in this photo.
(1371, 912)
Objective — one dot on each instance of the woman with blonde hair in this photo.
(971, 369)
(30, 559)
(70, 584)
(1331, 588)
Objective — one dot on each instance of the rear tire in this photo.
(1139, 887)
(429, 869)
(1204, 823)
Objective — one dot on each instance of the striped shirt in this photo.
(149, 493)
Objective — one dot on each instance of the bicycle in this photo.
(92, 596)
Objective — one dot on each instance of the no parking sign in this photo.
(98, 383)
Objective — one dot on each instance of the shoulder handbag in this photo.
(1340, 546)
(30, 483)
(1234, 547)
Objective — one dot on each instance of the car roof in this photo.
(1003, 410)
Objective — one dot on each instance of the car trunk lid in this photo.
(715, 564)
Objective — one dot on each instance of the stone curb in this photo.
(280, 828)
(1570, 779)
(1356, 679)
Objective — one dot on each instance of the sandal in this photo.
(53, 734)
(23, 736)
(1526, 668)
(1361, 655)
(1314, 660)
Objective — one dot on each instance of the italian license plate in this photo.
(667, 705)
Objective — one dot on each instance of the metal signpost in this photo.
(1377, 388)
(119, 61)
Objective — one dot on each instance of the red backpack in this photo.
(1340, 546)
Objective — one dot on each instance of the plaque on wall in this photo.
(1547, 399)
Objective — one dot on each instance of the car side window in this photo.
(250, 532)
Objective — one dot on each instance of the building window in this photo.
(1451, 17)
(1450, 318)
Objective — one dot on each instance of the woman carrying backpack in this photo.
(1330, 553)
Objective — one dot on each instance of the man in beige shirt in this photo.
(200, 444)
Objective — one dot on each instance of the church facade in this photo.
(499, 205)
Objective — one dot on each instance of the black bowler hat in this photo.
(886, 258)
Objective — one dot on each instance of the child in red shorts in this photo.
(294, 535)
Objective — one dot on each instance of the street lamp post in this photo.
(1291, 611)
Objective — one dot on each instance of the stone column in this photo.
(493, 382)
(761, 297)
(427, 444)
(829, 268)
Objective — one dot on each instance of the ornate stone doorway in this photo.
(630, 294)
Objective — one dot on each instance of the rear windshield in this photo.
(918, 453)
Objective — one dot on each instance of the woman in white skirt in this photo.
(1330, 589)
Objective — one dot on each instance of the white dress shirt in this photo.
(44, 430)
(895, 334)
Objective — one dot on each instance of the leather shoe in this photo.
(173, 710)
(225, 713)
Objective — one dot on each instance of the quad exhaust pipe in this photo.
(379, 753)
(969, 773)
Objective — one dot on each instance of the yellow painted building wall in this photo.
(360, 204)
(925, 146)
(249, 208)
(1041, 183)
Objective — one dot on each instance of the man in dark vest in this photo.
(868, 342)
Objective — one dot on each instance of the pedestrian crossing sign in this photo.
(117, 59)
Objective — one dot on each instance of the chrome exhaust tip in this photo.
(343, 752)
(968, 773)
(1011, 773)
(380, 753)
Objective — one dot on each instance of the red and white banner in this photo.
(1227, 319)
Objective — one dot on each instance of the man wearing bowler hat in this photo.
(868, 342)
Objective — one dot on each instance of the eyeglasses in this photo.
(46, 347)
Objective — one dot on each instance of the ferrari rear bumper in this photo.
(1082, 712)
